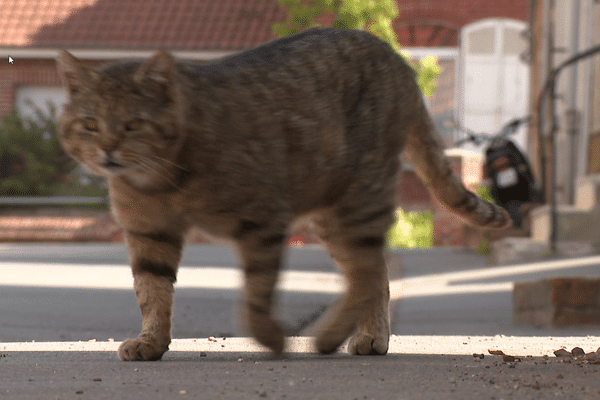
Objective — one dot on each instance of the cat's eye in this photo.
(91, 124)
(134, 125)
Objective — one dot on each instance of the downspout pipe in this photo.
(572, 116)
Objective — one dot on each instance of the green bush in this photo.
(30, 155)
(412, 229)
(32, 162)
(483, 191)
(484, 246)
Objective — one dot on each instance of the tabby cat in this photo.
(310, 125)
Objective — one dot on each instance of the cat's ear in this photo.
(75, 75)
(156, 75)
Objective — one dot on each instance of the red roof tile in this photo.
(182, 24)
(210, 24)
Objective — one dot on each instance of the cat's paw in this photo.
(363, 344)
(269, 334)
(328, 341)
(141, 349)
(325, 346)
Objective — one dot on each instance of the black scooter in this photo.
(512, 186)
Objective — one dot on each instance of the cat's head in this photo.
(123, 120)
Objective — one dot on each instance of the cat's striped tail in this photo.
(424, 151)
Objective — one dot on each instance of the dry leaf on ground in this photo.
(562, 353)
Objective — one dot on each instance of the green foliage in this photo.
(483, 191)
(484, 247)
(30, 155)
(375, 16)
(300, 16)
(32, 161)
(412, 229)
(349, 14)
(426, 70)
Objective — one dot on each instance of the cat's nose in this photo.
(109, 147)
(110, 161)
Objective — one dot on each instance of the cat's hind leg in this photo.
(154, 259)
(363, 310)
(260, 249)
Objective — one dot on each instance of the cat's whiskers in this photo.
(172, 163)
(153, 166)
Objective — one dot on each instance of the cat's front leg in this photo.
(154, 259)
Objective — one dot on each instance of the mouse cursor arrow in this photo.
(11, 60)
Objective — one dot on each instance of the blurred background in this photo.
(481, 64)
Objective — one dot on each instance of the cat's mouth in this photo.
(111, 163)
(112, 166)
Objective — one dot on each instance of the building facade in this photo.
(561, 30)
(99, 31)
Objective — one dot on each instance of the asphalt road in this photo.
(49, 292)
(70, 292)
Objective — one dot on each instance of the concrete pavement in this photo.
(418, 367)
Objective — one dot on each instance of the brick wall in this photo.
(557, 302)
(25, 72)
(452, 14)
(462, 12)
(412, 194)
(442, 100)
